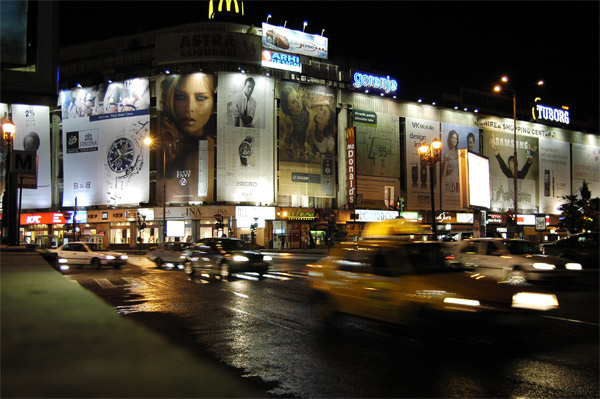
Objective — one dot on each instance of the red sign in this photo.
(43, 218)
(351, 165)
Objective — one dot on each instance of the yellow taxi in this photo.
(400, 280)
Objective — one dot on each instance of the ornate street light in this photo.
(430, 154)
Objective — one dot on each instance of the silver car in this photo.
(513, 261)
(168, 254)
(78, 254)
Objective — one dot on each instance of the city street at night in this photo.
(266, 329)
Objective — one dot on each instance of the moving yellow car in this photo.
(398, 281)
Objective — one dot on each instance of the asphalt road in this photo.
(265, 329)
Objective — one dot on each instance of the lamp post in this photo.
(148, 141)
(9, 219)
(430, 154)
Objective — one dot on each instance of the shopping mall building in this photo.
(256, 133)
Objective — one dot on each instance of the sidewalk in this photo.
(60, 340)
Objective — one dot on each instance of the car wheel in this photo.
(158, 262)
(224, 271)
(96, 263)
(515, 277)
(188, 268)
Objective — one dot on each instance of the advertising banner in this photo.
(105, 160)
(32, 133)
(279, 38)
(185, 124)
(378, 146)
(499, 147)
(555, 177)
(586, 166)
(377, 192)
(245, 113)
(419, 131)
(454, 137)
(307, 137)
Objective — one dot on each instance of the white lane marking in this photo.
(571, 320)
(104, 283)
(134, 282)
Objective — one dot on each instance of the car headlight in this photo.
(109, 257)
(462, 301)
(573, 266)
(62, 260)
(534, 300)
(267, 258)
(124, 257)
(543, 266)
(240, 258)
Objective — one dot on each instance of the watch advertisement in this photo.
(106, 125)
(245, 163)
(185, 125)
(454, 138)
(307, 136)
(418, 132)
(32, 123)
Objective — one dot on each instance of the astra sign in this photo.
(362, 80)
(542, 112)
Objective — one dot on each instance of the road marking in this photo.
(104, 283)
(134, 282)
(269, 321)
(571, 320)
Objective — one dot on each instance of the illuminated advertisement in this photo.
(245, 135)
(418, 132)
(307, 137)
(106, 126)
(366, 215)
(286, 62)
(586, 167)
(499, 147)
(554, 180)
(378, 147)
(351, 165)
(366, 81)
(279, 38)
(475, 180)
(247, 215)
(544, 113)
(32, 133)
(454, 137)
(185, 126)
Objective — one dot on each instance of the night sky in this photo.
(427, 46)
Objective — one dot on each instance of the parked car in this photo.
(400, 281)
(582, 248)
(513, 261)
(78, 253)
(234, 258)
(169, 254)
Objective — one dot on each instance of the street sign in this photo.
(23, 162)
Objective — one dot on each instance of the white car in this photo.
(513, 261)
(78, 254)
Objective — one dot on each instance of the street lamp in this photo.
(430, 154)
(304, 25)
(10, 189)
(498, 88)
(148, 141)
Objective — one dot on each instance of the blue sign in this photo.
(367, 81)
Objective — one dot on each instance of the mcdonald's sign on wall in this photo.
(351, 164)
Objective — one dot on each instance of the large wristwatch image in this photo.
(245, 150)
(121, 155)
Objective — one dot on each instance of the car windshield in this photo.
(521, 247)
(232, 245)
(95, 246)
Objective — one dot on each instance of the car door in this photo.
(492, 261)
(347, 282)
(468, 253)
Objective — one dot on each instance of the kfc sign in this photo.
(43, 218)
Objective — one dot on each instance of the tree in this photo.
(580, 214)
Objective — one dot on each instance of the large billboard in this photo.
(307, 137)
(555, 178)
(32, 124)
(245, 165)
(418, 132)
(279, 38)
(586, 167)
(185, 126)
(454, 137)
(105, 126)
(378, 145)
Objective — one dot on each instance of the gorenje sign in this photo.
(542, 112)
(361, 80)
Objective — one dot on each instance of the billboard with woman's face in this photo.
(307, 137)
(106, 125)
(186, 137)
